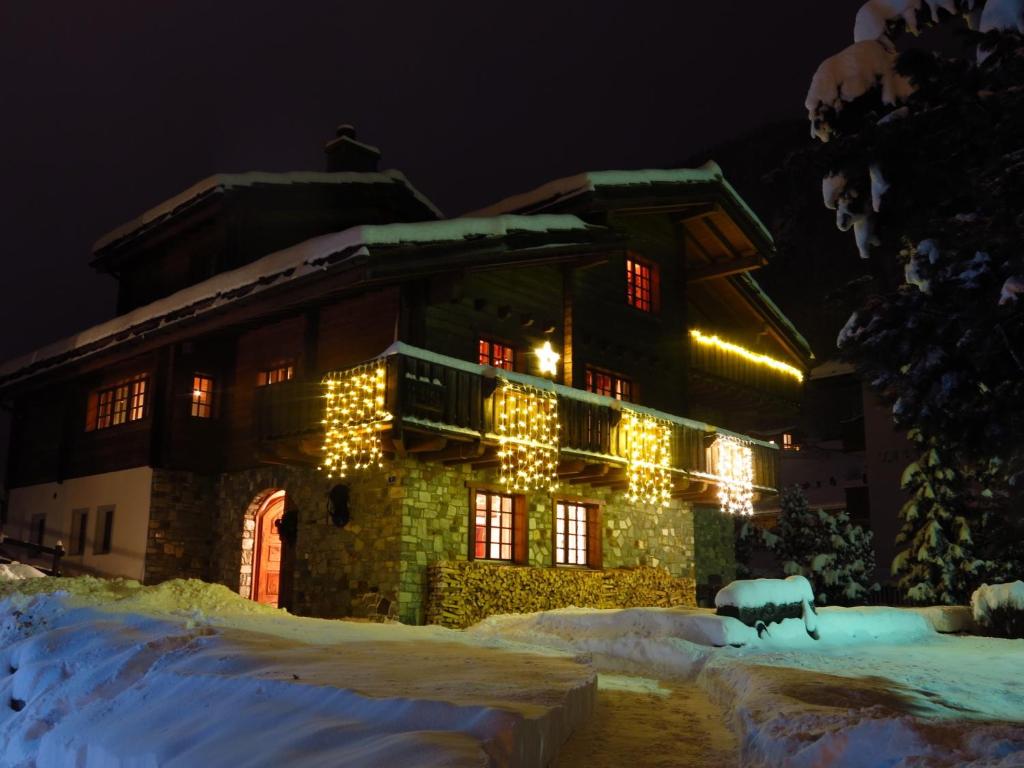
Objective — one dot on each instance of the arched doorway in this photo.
(266, 569)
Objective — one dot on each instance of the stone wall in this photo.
(435, 505)
(715, 550)
(178, 543)
(463, 593)
(336, 568)
(405, 517)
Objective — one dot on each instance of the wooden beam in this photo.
(426, 444)
(725, 268)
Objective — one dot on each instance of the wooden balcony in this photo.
(449, 410)
(714, 369)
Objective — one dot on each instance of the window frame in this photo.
(616, 380)
(37, 529)
(277, 373)
(489, 358)
(518, 528)
(79, 531)
(593, 550)
(197, 404)
(103, 538)
(648, 300)
(115, 405)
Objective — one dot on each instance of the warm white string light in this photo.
(733, 465)
(754, 357)
(527, 437)
(649, 450)
(355, 409)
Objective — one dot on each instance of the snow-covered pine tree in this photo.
(928, 170)
(832, 553)
(937, 564)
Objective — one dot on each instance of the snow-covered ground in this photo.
(108, 673)
(880, 688)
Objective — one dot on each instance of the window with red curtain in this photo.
(609, 385)
(641, 278)
(497, 354)
(493, 515)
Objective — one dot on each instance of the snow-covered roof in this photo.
(224, 181)
(306, 258)
(572, 186)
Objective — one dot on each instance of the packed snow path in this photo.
(645, 723)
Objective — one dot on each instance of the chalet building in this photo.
(322, 393)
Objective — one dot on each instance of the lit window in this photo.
(275, 375)
(492, 538)
(571, 521)
(121, 403)
(202, 396)
(788, 444)
(609, 385)
(640, 284)
(496, 354)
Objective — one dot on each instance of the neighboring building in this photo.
(845, 454)
(533, 384)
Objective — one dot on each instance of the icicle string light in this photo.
(649, 450)
(753, 357)
(354, 411)
(527, 437)
(733, 465)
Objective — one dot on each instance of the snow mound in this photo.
(988, 598)
(754, 593)
(18, 572)
(850, 74)
(186, 674)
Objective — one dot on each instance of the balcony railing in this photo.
(427, 392)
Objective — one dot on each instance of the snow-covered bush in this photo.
(760, 602)
(833, 554)
(999, 608)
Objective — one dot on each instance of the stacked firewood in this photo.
(462, 593)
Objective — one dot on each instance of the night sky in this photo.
(110, 107)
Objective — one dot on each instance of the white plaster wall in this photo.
(128, 491)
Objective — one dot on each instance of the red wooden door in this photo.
(268, 553)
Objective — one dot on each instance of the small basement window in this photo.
(609, 385)
(497, 354)
(104, 531)
(79, 527)
(279, 373)
(37, 534)
(202, 396)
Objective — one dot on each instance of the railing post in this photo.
(58, 553)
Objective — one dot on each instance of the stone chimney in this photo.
(344, 153)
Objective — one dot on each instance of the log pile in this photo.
(461, 593)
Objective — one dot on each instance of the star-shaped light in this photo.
(547, 359)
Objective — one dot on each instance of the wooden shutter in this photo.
(520, 531)
(92, 411)
(594, 529)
